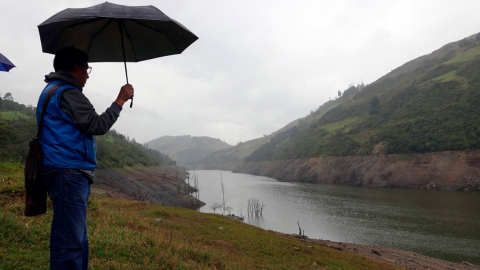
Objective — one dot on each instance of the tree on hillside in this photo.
(8, 96)
(30, 110)
(375, 103)
(464, 42)
(339, 93)
(7, 133)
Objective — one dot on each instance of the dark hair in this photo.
(66, 58)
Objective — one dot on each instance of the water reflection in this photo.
(441, 224)
(255, 221)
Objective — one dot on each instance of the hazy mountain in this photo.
(187, 149)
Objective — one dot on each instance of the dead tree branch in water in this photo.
(141, 195)
(215, 206)
(255, 208)
(223, 192)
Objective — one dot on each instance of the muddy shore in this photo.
(400, 258)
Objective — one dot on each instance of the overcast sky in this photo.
(257, 65)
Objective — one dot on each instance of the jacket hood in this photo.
(64, 76)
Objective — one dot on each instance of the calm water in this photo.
(441, 224)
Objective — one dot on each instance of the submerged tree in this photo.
(255, 208)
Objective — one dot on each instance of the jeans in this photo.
(69, 190)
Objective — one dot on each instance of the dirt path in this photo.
(404, 259)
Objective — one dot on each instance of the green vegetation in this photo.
(125, 235)
(430, 104)
(18, 125)
(468, 55)
(12, 115)
(340, 124)
(114, 151)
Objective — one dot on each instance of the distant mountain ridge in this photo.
(187, 149)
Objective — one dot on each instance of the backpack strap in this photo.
(45, 104)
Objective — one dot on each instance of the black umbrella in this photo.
(115, 33)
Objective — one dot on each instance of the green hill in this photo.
(428, 104)
(187, 149)
(18, 125)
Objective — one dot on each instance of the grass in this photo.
(340, 124)
(13, 115)
(125, 235)
(452, 75)
(109, 138)
(465, 56)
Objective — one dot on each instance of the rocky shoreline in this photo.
(449, 170)
(160, 185)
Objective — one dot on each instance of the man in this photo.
(69, 146)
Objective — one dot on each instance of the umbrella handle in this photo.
(120, 26)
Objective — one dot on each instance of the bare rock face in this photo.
(161, 185)
(379, 149)
(450, 170)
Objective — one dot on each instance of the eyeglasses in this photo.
(89, 70)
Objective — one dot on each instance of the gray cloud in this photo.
(257, 66)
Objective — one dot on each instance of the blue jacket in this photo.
(63, 144)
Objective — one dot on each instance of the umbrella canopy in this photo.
(5, 64)
(115, 33)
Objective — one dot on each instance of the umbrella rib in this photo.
(73, 25)
(98, 32)
(156, 30)
(131, 43)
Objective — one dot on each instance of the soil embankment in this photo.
(400, 258)
(450, 170)
(159, 185)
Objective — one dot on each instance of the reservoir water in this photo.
(435, 223)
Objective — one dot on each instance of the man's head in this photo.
(74, 61)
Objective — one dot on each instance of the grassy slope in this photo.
(12, 115)
(428, 104)
(125, 235)
(114, 151)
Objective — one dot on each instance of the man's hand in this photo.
(126, 92)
